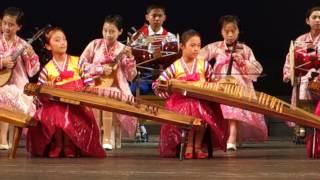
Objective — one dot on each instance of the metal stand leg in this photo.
(183, 141)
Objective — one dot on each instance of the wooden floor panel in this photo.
(275, 159)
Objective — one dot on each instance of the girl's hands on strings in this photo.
(29, 50)
(8, 62)
(51, 83)
(237, 57)
(107, 70)
(128, 52)
(128, 59)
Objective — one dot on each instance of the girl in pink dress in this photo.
(63, 129)
(313, 38)
(190, 68)
(244, 125)
(27, 65)
(98, 57)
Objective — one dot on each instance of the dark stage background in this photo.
(266, 26)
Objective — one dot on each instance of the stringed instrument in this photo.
(229, 79)
(19, 120)
(112, 101)
(108, 80)
(242, 97)
(117, 102)
(314, 86)
(6, 73)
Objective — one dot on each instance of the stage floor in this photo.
(275, 159)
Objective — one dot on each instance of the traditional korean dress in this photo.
(94, 57)
(11, 94)
(252, 126)
(77, 122)
(210, 113)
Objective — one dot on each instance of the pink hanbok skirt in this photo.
(251, 125)
(210, 113)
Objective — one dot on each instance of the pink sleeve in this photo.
(89, 69)
(208, 52)
(128, 66)
(32, 64)
(208, 71)
(286, 72)
(87, 54)
(250, 65)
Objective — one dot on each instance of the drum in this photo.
(314, 88)
(156, 50)
(306, 57)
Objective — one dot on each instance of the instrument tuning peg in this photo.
(133, 29)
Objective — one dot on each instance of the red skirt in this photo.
(313, 139)
(210, 113)
(77, 122)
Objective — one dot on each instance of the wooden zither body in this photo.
(114, 102)
(242, 97)
(19, 120)
(16, 118)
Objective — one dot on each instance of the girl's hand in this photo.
(8, 62)
(128, 52)
(29, 50)
(107, 70)
(237, 57)
(51, 83)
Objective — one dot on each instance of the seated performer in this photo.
(190, 68)
(155, 16)
(27, 65)
(245, 69)
(312, 39)
(63, 129)
(98, 57)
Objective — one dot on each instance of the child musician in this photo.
(190, 68)
(63, 129)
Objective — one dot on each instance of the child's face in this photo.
(156, 17)
(230, 32)
(110, 33)
(192, 47)
(314, 20)
(58, 43)
(9, 26)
